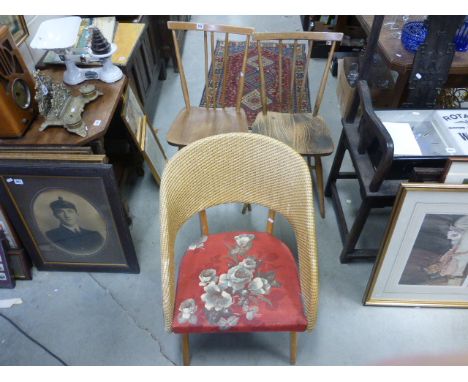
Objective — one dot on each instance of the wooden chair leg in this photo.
(246, 207)
(356, 230)
(203, 223)
(186, 349)
(319, 174)
(293, 347)
(337, 161)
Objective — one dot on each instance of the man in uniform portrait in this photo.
(69, 235)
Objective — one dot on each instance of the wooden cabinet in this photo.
(144, 67)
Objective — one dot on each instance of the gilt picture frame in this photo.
(17, 26)
(69, 216)
(422, 260)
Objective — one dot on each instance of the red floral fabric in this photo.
(238, 282)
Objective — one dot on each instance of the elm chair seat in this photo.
(196, 123)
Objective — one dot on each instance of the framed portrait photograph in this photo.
(17, 26)
(456, 171)
(69, 216)
(423, 260)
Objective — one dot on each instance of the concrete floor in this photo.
(116, 319)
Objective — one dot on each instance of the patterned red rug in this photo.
(251, 100)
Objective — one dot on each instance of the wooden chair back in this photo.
(310, 37)
(374, 138)
(211, 88)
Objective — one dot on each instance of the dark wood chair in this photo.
(370, 147)
(193, 123)
(305, 132)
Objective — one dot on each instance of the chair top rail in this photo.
(316, 36)
(180, 25)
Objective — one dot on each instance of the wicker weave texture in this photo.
(242, 168)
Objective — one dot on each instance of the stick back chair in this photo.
(306, 132)
(238, 281)
(192, 122)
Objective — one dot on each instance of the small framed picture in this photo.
(423, 260)
(6, 280)
(69, 216)
(8, 230)
(153, 151)
(456, 171)
(143, 134)
(17, 26)
(132, 114)
(19, 263)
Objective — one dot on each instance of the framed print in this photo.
(132, 114)
(143, 134)
(8, 230)
(17, 26)
(153, 151)
(456, 171)
(20, 264)
(69, 216)
(6, 280)
(424, 256)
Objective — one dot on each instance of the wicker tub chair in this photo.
(230, 282)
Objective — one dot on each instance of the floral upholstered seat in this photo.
(238, 282)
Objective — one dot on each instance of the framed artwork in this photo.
(132, 114)
(8, 230)
(6, 280)
(144, 135)
(153, 151)
(456, 171)
(17, 26)
(20, 264)
(69, 216)
(423, 260)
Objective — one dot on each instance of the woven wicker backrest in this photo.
(243, 168)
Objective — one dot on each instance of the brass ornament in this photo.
(59, 107)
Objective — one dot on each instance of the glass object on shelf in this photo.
(461, 38)
(414, 34)
(399, 26)
(353, 74)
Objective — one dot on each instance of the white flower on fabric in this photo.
(206, 276)
(198, 244)
(223, 282)
(249, 263)
(187, 311)
(251, 313)
(453, 235)
(216, 298)
(259, 285)
(244, 241)
(238, 277)
(226, 323)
